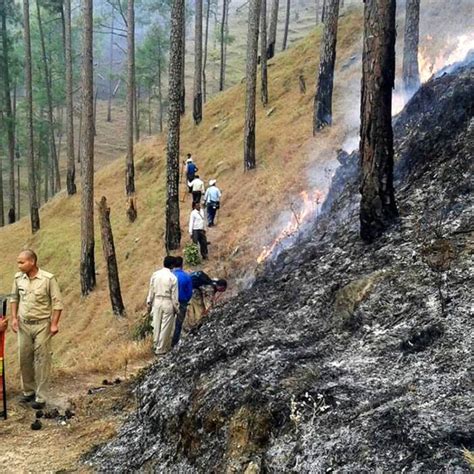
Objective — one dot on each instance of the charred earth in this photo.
(341, 356)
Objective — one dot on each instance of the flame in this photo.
(308, 209)
(452, 53)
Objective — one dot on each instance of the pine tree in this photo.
(377, 207)
(197, 101)
(411, 74)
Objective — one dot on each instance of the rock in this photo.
(36, 425)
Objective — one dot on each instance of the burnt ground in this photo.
(342, 356)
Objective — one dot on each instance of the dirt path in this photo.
(98, 411)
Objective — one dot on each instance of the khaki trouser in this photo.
(163, 325)
(34, 344)
(201, 302)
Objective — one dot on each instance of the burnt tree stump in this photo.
(108, 248)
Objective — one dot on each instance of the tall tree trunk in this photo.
(71, 168)
(377, 207)
(49, 96)
(183, 64)
(108, 248)
(271, 50)
(263, 53)
(322, 115)
(160, 93)
(130, 165)
(173, 231)
(324, 11)
(2, 212)
(204, 61)
(318, 7)
(197, 100)
(111, 68)
(225, 6)
(136, 108)
(87, 270)
(251, 85)
(9, 121)
(411, 73)
(287, 24)
(33, 196)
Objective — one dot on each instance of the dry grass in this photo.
(91, 338)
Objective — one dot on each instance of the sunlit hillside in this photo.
(289, 161)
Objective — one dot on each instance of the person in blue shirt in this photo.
(191, 170)
(212, 201)
(185, 293)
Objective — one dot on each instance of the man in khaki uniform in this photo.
(36, 306)
(163, 300)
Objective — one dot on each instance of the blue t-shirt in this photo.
(185, 285)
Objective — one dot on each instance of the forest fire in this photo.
(308, 209)
(453, 52)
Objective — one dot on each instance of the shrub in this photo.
(192, 256)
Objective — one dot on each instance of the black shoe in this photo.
(38, 405)
(27, 398)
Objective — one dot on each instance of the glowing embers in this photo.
(300, 214)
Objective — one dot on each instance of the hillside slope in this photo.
(88, 328)
(343, 357)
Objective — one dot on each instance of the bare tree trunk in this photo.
(47, 81)
(160, 94)
(111, 68)
(136, 108)
(411, 73)
(183, 65)
(9, 121)
(287, 24)
(34, 212)
(2, 213)
(79, 141)
(377, 207)
(108, 248)
(197, 100)
(204, 62)
(263, 53)
(149, 110)
(71, 168)
(225, 6)
(251, 85)
(87, 270)
(271, 50)
(322, 115)
(173, 231)
(318, 7)
(130, 165)
(324, 11)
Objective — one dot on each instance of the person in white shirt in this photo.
(197, 229)
(162, 300)
(197, 187)
(212, 200)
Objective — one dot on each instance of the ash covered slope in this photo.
(342, 356)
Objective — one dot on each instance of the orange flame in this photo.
(450, 54)
(308, 209)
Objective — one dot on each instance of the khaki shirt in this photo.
(38, 297)
(163, 285)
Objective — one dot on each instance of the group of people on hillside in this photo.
(176, 298)
(212, 201)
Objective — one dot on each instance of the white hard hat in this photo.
(212, 182)
(189, 160)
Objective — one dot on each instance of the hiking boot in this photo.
(38, 405)
(27, 398)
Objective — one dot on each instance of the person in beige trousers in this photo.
(163, 302)
(36, 306)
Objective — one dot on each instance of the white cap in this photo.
(212, 182)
